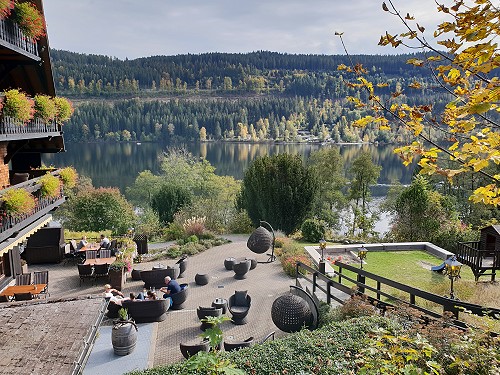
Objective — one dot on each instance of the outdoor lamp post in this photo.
(452, 269)
(322, 264)
(362, 255)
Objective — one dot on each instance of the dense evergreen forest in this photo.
(258, 96)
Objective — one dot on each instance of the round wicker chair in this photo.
(179, 298)
(291, 313)
(235, 345)
(241, 268)
(203, 312)
(190, 349)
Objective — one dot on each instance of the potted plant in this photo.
(69, 176)
(50, 186)
(18, 106)
(29, 20)
(45, 108)
(124, 333)
(64, 109)
(214, 333)
(6, 7)
(117, 274)
(18, 202)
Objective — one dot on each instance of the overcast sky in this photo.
(141, 28)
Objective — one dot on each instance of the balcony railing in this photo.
(9, 126)
(10, 33)
(10, 224)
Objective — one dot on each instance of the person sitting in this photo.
(134, 298)
(171, 288)
(151, 295)
(104, 242)
(83, 242)
(113, 294)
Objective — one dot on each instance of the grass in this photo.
(412, 268)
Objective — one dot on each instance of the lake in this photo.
(118, 164)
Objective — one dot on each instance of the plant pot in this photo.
(124, 337)
(117, 278)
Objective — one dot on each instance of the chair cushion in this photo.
(240, 298)
(239, 309)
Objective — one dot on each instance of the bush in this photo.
(50, 186)
(289, 262)
(29, 20)
(64, 109)
(194, 226)
(18, 202)
(174, 251)
(45, 108)
(69, 176)
(313, 230)
(18, 106)
(355, 307)
(240, 223)
(173, 232)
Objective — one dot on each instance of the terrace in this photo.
(12, 37)
(10, 130)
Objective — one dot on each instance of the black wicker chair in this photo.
(101, 270)
(23, 279)
(42, 277)
(239, 306)
(190, 349)
(86, 271)
(241, 268)
(203, 312)
(179, 298)
(235, 345)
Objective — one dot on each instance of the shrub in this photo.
(192, 248)
(289, 262)
(173, 232)
(45, 108)
(240, 223)
(192, 238)
(68, 176)
(355, 307)
(18, 106)
(194, 226)
(50, 186)
(313, 230)
(18, 202)
(64, 109)
(174, 251)
(29, 19)
(6, 7)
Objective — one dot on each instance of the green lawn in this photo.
(412, 268)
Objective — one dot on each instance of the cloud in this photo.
(159, 27)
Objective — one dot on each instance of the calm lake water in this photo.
(118, 164)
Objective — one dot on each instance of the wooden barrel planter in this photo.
(124, 337)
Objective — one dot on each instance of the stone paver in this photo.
(264, 284)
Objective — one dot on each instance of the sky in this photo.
(132, 29)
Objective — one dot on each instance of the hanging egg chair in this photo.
(261, 240)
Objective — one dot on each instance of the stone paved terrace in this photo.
(264, 284)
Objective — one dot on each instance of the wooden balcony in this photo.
(11, 130)
(12, 37)
(9, 225)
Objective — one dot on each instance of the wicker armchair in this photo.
(241, 268)
(203, 312)
(190, 349)
(235, 345)
(179, 298)
(239, 306)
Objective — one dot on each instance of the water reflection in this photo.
(117, 164)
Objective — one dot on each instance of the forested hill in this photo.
(257, 96)
(77, 73)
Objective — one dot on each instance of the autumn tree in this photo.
(464, 66)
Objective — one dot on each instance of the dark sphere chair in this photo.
(190, 349)
(241, 268)
(182, 263)
(179, 298)
(203, 312)
(235, 345)
(291, 313)
(239, 306)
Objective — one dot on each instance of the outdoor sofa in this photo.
(142, 311)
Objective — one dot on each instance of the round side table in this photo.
(220, 303)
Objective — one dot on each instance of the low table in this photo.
(34, 289)
(220, 303)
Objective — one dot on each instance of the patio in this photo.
(264, 283)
